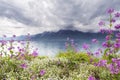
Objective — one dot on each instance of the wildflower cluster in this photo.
(70, 45)
(110, 59)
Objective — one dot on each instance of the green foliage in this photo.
(75, 57)
(101, 73)
(8, 65)
(42, 57)
(109, 57)
(55, 68)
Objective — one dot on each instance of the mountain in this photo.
(63, 34)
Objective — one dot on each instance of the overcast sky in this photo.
(36, 16)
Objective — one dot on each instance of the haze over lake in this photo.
(51, 43)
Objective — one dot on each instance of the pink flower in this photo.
(24, 65)
(89, 53)
(14, 36)
(100, 50)
(104, 44)
(3, 42)
(117, 45)
(101, 23)
(117, 14)
(42, 72)
(85, 46)
(11, 41)
(106, 31)
(102, 63)
(109, 31)
(11, 48)
(94, 40)
(114, 69)
(4, 36)
(110, 10)
(118, 35)
(97, 53)
(114, 60)
(117, 26)
(35, 53)
(108, 37)
(91, 78)
(113, 20)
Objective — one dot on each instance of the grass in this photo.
(55, 68)
(62, 67)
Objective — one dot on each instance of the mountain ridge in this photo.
(63, 34)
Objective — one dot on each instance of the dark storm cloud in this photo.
(51, 15)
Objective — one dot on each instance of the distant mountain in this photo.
(63, 34)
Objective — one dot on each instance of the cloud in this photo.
(37, 16)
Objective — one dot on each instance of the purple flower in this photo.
(111, 68)
(28, 34)
(117, 14)
(117, 26)
(114, 69)
(24, 65)
(11, 41)
(33, 77)
(118, 63)
(118, 35)
(108, 37)
(109, 31)
(58, 62)
(22, 43)
(22, 55)
(42, 72)
(113, 20)
(66, 45)
(4, 36)
(21, 49)
(35, 53)
(102, 30)
(11, 48)
(89, 53)
(91, 78)
(106, 31)
(110, 10)
(94, 40)
(104, 44)
(117, 45)
(3, 42)
(14, 36)
(102, 63)
(85, 46)
(97, 53)
(100, 50)
(95, 64)
(114, 59)
(72, 40)
(101, 23)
